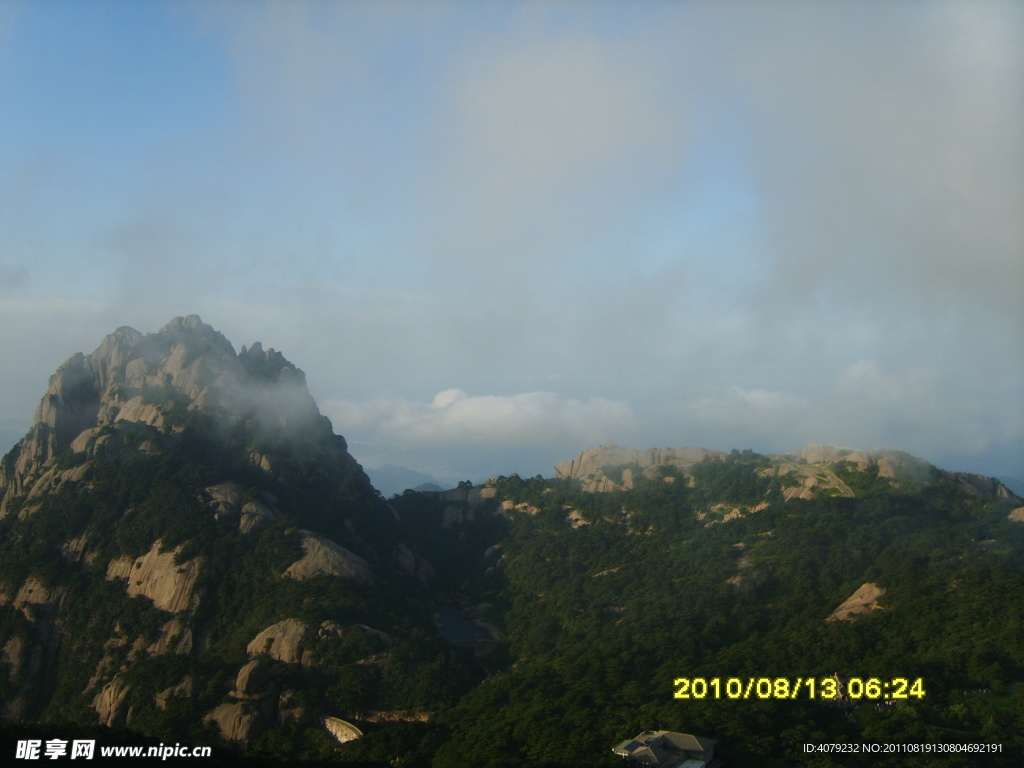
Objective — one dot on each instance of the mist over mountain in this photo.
(189, 552)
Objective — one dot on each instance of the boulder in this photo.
(330, 630)
(281, 641)
(323, 557)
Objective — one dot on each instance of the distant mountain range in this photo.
(188, 552)
(390, 479)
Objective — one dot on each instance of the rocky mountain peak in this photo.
(174, 497)
(163, 380)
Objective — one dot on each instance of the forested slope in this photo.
(608, 598)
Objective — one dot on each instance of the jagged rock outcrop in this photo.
(891, 464)
(860, 603)
(186, 689)
(231, 500)
(984, 487)
(323, 557)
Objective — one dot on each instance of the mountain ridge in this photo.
(808, 470)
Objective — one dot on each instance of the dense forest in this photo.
(605, 602)
(608, 598)
(81, 626)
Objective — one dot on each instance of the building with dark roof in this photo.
(668, 749)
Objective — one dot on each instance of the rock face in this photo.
(891, 463)
(230, 499)
(461, 504)
(861, 602)
(186, 689)
(253, 679)
(111, 704)
(414, 565)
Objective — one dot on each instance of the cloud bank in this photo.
(454, 418)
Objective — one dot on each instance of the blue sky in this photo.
(496, 233)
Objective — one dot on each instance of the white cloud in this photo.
(453, 417)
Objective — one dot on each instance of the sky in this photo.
(494, 234)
